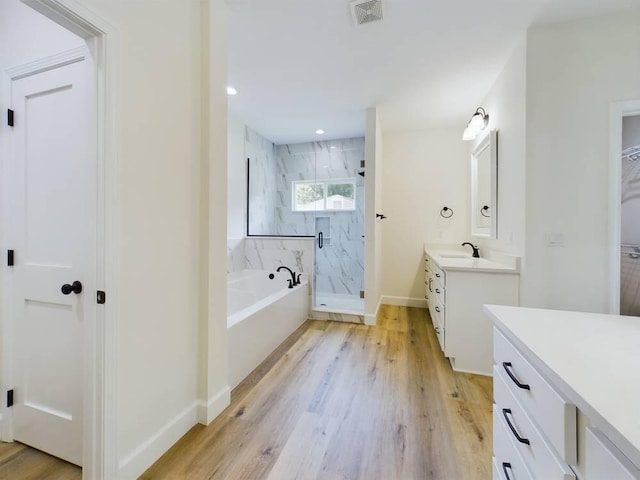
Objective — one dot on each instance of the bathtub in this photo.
(262, 313)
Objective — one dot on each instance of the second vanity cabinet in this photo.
(456, 287)
(565, 404)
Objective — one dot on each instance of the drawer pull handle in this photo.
(507, 366)
(438, 275)
(437, 309)
(430, 289)
(506, 466)
(505, 412)
(437, 290)
(437, 330)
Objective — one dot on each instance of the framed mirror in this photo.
(484, 187)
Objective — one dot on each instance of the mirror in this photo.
(484, 187)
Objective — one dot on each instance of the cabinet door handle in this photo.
(506, 466)
(438, 275)
(437, 309)
(437, 330)
(430, 280)
(505, 412)
(437, 290)
(507, 368)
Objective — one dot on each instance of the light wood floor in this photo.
(341, 401)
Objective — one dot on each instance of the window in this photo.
(332, 195)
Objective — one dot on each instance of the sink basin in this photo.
(454, 255)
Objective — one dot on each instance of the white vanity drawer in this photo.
(507, 462)
(554, 415)
(439, 329)
(439, 312)
(538, 455)
(604, 461)
(438, 273)
(438, 292)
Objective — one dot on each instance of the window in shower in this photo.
(325, 196)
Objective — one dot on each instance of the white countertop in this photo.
(455, 258)
(594, 359)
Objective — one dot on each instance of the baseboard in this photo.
(372, 320)
(405, 301)
(134, 464)
(208, 411)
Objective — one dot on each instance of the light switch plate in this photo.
(555, 239)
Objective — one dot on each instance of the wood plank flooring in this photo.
(339, 401)
(19, 462)
(347, 402)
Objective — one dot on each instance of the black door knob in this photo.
(75, 287)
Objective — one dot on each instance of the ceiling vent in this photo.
(366, 11)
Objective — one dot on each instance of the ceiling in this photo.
(302, 65)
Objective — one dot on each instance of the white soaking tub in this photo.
(262, 313)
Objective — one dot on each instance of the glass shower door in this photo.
(339, 227)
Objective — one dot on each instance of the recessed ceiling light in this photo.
(231, 91)
(333, 147)
(319, 132)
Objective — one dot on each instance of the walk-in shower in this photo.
(315, 190)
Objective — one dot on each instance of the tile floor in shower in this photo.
(336, 302)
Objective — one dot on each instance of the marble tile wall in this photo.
(340, 263)
(256, 253)
(270, 253)
(262, 176)
(235, 255)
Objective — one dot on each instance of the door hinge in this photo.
(10, 258)
(101, 297)
(10, 115)
(10, 398)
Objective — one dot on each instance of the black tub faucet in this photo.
(292, 282)
(476, 252)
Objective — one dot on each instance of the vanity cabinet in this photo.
(604, 461)
(561, 400)
(455, 291)
(538, 421)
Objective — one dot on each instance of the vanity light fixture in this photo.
(319, 132)
(478, 122)
(231, 91)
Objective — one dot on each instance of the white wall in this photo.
(25, 35)
(423, 172)
(373, 154)
(158, 324)
(574, 72)
(506, 105)
(214, 384)
(161, 109)
(237, 175)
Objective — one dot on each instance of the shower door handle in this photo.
(320, 239)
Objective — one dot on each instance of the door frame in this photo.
(99, 395)
(618, 111)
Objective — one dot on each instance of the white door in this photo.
(49, 207)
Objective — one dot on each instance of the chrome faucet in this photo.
(476, 252)
(293, 282)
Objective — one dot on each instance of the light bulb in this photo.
(468, 135)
